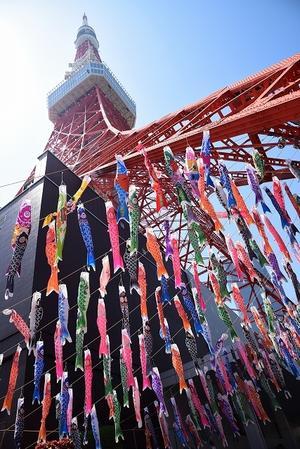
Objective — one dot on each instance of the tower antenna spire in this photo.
(84, 19)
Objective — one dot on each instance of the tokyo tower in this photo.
(94, 119)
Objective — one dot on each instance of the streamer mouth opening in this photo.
(7, 311)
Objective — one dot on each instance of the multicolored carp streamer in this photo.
(160, 199)
(284, 217)
(70, 410)
(79, 348)
(190, 306)
(19, 423)
(260, 227)
(168, 244)
(38, 370)
(292, 275)
(86, 234)
(240, 204)
(123, 373)
(191, 170)
(18, 243)
(35, 317)
(176, 261)
(148, 344)
(178, 366)
(149, 426)
(47, 399)
(117, 418)
(163, 424)
(165, 295)
(254, 185)
(228, 412)
(244, 259)
(107, 379)
(83, 299)
(164, 331)
(88, 381)
(63, 313)
(61, 220)
(179, 427)
(69, 207)
(225, 317)
(293, 169)
(259, 323)
(242, 351)
(84, 184)
(220, 274)
(194, 399)
(95, 428)
(137, 402)
(181, 312)
(258, 163)
(124, 307)
(58, 349)
(198, 296)
(215, 288)
(193, 432)
(122, 185)
(134, 219)
(14, 372)
(245, 234)
(225, 181)
(234, 256)
(113, 231)
(243, 361)
(222, 197)
(194, 237)
(206, 334)
(157, 387)
(255, 400)
(104, 276)
(51, 251)
(131, 262)
(206, 155)
(239, 301)
(292, 198)
(143, 292)
(192, 408)
(75, 434)
(204, 201)
(154, 249)
(143, 361)
(281, 245)
(19, 323)
(127, 356)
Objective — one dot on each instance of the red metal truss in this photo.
(253, 113)
(254, 110)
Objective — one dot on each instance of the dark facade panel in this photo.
(34, 277)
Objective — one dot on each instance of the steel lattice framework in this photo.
(252, 113)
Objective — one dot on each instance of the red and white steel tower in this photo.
(93, 119)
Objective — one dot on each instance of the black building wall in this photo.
(34, 277)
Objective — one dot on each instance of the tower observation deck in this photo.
(94, 117)
(88, 72)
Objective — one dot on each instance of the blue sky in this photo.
(166, 54)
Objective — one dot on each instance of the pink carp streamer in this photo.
(176, 261)
(101, 323)
(113, 231)
(88, 381)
